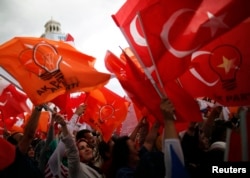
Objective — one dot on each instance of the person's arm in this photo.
(43, 152)
(136, 129)
(73, 120)
(30, 130)
(57, 155)
(168, 113)
(151, 136)
(66, 128)
(70, 147)
(209, 122)
(51, 132)
(171, 140)
(60, 120)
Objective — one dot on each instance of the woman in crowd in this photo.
(129, 162)
(80, 154)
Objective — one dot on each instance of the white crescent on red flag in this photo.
(220, 70)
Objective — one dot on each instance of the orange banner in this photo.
(45, 68)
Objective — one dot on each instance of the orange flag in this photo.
(46, 69)
(105, 111)
(42, 123)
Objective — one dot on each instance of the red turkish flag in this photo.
(220, 70)
(69, 38)
(105, 111)
(175, 29)
(139, 88)
(12, 101)
(68, 103)
(63, 103)
(7, 123)
(126, 19)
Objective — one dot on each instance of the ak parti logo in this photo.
(225, 61)
(40, 58)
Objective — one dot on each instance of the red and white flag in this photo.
(141, 91)
(220, 70)
(176, 29)
(12, 101)
(166, 33)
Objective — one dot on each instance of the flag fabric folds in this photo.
(220, 70)
(135, 83)
(105, 111)
(156, 30)
(12, 101)
(167, 36)
(174, 159)
(143, 94)
(175, 30)
(126, 20)
(45, 68)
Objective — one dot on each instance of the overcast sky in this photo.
(88, 21)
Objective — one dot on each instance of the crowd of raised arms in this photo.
(146, 152)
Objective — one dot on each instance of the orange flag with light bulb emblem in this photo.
(46, 69)
(105, 111)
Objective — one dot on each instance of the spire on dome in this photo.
(52, 26)
(53, 32)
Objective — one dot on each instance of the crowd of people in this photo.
(144, 153)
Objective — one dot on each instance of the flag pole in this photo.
(243, 132)
(147, 74)
(151, 55)
(144, 68)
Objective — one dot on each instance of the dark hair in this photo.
(81, 133)
(82, 140)
(103, 148)
(11, 138)
(120, 153)
(219, 131)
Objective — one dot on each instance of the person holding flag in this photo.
(22, 165)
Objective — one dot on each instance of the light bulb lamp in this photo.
(225, 61)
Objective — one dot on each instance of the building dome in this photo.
(53, 32)
(52, 26)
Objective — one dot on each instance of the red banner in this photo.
(220, 70)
